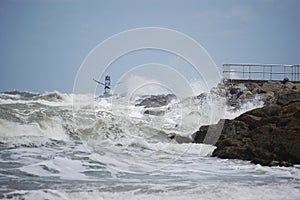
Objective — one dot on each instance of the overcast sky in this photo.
(44, 42)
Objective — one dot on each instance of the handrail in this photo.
(253, 71)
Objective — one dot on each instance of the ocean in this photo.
(111, 149)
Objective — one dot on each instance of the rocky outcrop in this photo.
(266, 136)
(239, 92)
(285, 98)
(156, 101)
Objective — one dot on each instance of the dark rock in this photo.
(285, 98)
(297, 114)
(198, 137)
(157, 100)
(267, 136)
(234, 90)
(202, 96)
(182, 139)
(240, 91)
(154, 112)
(239, 94)
(285, 80)
(253, 87)
(201, 135)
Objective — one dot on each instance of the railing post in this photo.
(249, 72)
(298, 72)
(280, 70)
(293, 73)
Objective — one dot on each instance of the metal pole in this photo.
(293, 73)
(298, 67)
(284, 71)
(249, 72)
(298, 72)
(270, 72)
(229, 73)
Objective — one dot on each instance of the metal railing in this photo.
(261, 71)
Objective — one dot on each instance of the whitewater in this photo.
(111, 149)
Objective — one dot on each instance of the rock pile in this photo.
(266, 136)
(239, 92)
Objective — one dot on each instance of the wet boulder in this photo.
(182, 139)
(156, 100)
(285, 98)
(154, 112)
(267, 136)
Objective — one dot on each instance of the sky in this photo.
(44, 42)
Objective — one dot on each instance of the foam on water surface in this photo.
(207, 192)
(107, 148)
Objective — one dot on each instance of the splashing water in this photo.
(48, 151)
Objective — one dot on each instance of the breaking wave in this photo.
(131, 148)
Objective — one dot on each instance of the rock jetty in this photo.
(269, 135)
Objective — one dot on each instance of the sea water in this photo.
(51, 149)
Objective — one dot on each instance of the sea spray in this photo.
(117, 151)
